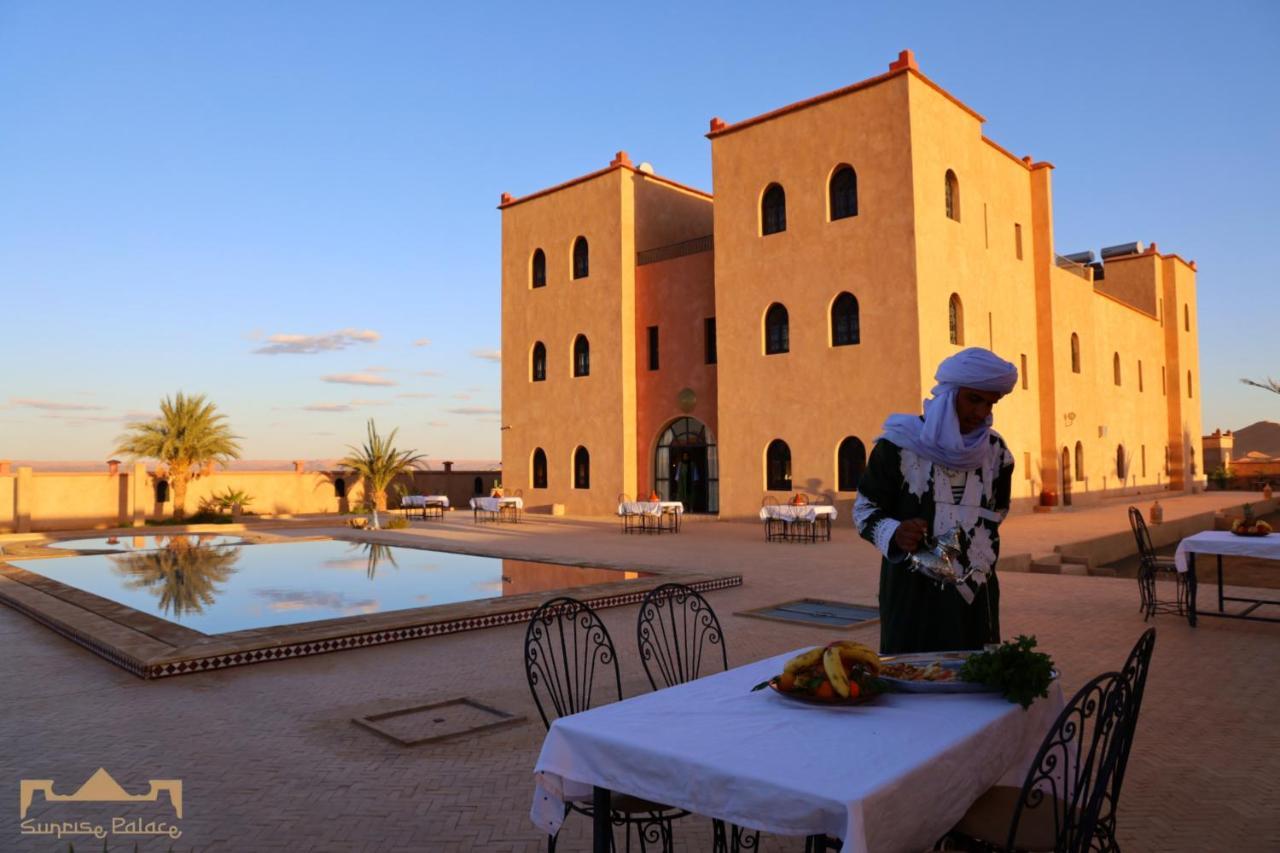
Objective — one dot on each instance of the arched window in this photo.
(539, 362)
(955, 320)
(777, 330)
(340, 488)
(1121, 469)
(539, 468)
(162, 491)
(851, 460)
(538, 273)
(581, 469)
(844, 320)
(1075, 353)
(477, 486)
(842, 193)
(581, 356)
(1079, 462)
(953, 196)
(1115, 367)
(1189, 383)
(1186, 316)
(773, 210)
(581, 259)
(778, 466)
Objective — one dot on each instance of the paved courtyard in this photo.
(270, 759)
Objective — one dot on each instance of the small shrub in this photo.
(396, 522)
(202, 517)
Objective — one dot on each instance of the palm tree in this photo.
(378, 462)
(1269, 385)
(188, 435)
(185, 576)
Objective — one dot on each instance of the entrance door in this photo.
(1066, 477)
(685, 466)
(688, 477)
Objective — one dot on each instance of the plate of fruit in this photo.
(1250, 525)
(839, 673)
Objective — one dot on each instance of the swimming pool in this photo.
(217, 586)
(149, 542)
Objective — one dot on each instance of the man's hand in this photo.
(909, 533)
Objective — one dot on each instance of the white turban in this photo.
(937, 436)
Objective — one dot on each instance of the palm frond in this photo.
(1270, 385)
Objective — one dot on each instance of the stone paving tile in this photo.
(271, 761)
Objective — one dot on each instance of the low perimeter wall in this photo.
(33, 501)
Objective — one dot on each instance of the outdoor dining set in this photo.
(800, 519)
(649, 516)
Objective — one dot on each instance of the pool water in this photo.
(150, 542)
(214, 588)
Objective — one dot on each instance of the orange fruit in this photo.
(786, 682)
(854, 690)
(825, 691)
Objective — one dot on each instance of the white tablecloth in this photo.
(493, 504)
(894, 774)
(649, 507)
(791, 512)
(423, 500)
(1224, 542)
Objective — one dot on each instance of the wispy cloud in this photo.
(377, 370)
(436, 423)
(422, 342)
(284, 343)
(357, 379)
(417, 395)
(371, 402)
(473, 410)
(433, 373)
(487, 354)
(327, 407)
(462, 396)
(77, 418)
(54, 405)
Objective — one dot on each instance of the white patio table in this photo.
(1218, 543)
(497, 508)
(815, 515)
(893, 774)
(658, 510)
(419, 501)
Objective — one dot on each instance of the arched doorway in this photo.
(686, 467)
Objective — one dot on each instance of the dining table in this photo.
(1220, 543)
(782, 520)
(895, 773)
(665, 514)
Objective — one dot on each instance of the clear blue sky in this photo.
(181, 182)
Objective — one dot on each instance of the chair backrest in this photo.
(1135, 674)
(1072, 772)
(769, 500)
(517, 493)
(676, 630)
(566, 648)
(1146, 550)
(624, 498)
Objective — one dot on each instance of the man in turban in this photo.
(927, 475)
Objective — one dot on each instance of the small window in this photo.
(1023, 373)
(709, 335)
(1079, 462)
(1017, 240)
(477, 486)
(539, 366)
(773, 210)
(581, 356)
(653, 347)
(778, 466)
(1121, 471)
(1186, 317)
(844, 321)
(1115, 368)
(953, 196)
(955, 320)
(1168, 465)
(162, 491)
(340, 488)
(539, 468)
(538, 274)
(777, 330)
(1164, 387)
(581, 469)
(1143, 457)
(581, 258)
(1026, 465)
(843, 193)
(851, 461)
(1075, 353)
(1189, 394)
(1140, 386)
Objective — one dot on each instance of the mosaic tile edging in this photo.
(334, 644)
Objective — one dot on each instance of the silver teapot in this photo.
(939, 559)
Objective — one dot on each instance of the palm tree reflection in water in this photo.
(184, 574)
(376, 554)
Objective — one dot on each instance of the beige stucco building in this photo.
(716, 349)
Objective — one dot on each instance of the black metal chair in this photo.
(1151, 567)
(1134, 672)
(676, 632)
(774, 528)
(566, 649)
(1058, 806)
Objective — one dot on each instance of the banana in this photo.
(834, 666)
(856, 653)
(804, 660)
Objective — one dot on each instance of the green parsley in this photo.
(1019, 673)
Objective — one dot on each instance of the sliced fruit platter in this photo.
(1250, 525)
(839, 673)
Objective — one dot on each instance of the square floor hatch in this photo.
(814, 611)
(437, 721)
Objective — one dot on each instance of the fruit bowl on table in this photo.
(1250, 532)
(839, 673)
(865, 694)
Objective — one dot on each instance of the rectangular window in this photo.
(1017, 239)
(709, 330)
(1140, 375)
(1163, 388)
(1144, 460)
(986, 236)
(653, 347)
(1024, 371)
(1026, 463)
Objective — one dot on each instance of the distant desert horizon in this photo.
(55, 465)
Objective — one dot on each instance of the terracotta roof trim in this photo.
(512, 202)
(1006, 152)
